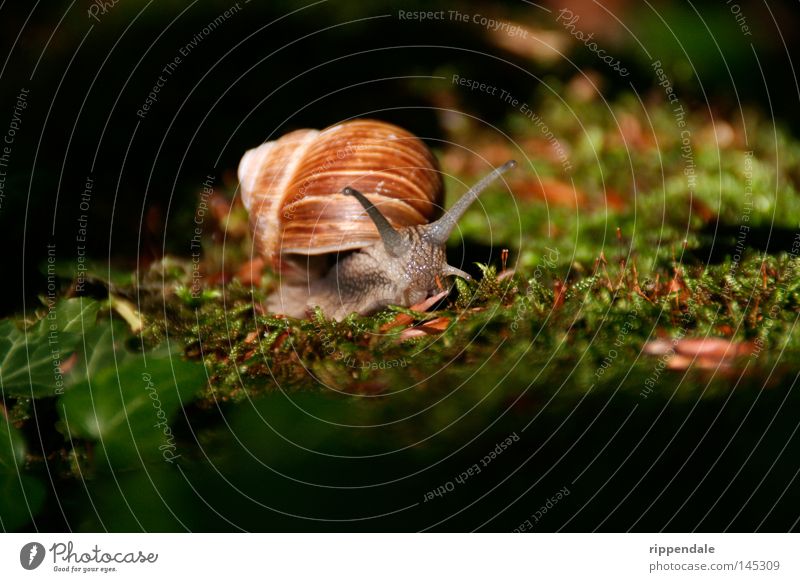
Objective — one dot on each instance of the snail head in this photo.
(427, 241)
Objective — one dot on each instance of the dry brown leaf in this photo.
(585, 86)
(479, 162)
(703, 353)
(436, 325)
(701, 209)
(560, 291)
(554, 192)
(403, 319)
(68, 364)
(718, 133)
(615, 200)
(412, 332)
(538, 44)
(250, 273)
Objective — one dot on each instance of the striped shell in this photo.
(292, 188)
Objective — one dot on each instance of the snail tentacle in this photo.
(439, 231)
(451, 271)
(393, 241)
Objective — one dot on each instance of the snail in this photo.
(349, 217)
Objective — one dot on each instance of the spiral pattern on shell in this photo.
(292, 187)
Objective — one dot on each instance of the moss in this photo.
(565, 313)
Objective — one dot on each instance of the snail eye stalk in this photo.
(438, 232)
(393, 241)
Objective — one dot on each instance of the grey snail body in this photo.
(336, 248)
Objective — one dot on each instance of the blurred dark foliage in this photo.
(275, 66)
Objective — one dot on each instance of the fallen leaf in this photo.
(703, 353)
(220, 207)
(412, 332)
(615, 200)
(250, 273)
(585, 86)
(436, 325)
(478, 162)
(719, 134)
(539, 44)
(701, 209)
(560, 291)
(713, 347)
(404, 319)
(554, 192)
(128, 312)
(554, 152)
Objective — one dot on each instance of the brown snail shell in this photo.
(292, 188)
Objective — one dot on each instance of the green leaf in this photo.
(12, 448)
(100, 347)
(21, 496)
(127, 405)
(31, 359)
(76, 315)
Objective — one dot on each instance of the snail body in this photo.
(338, 248)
